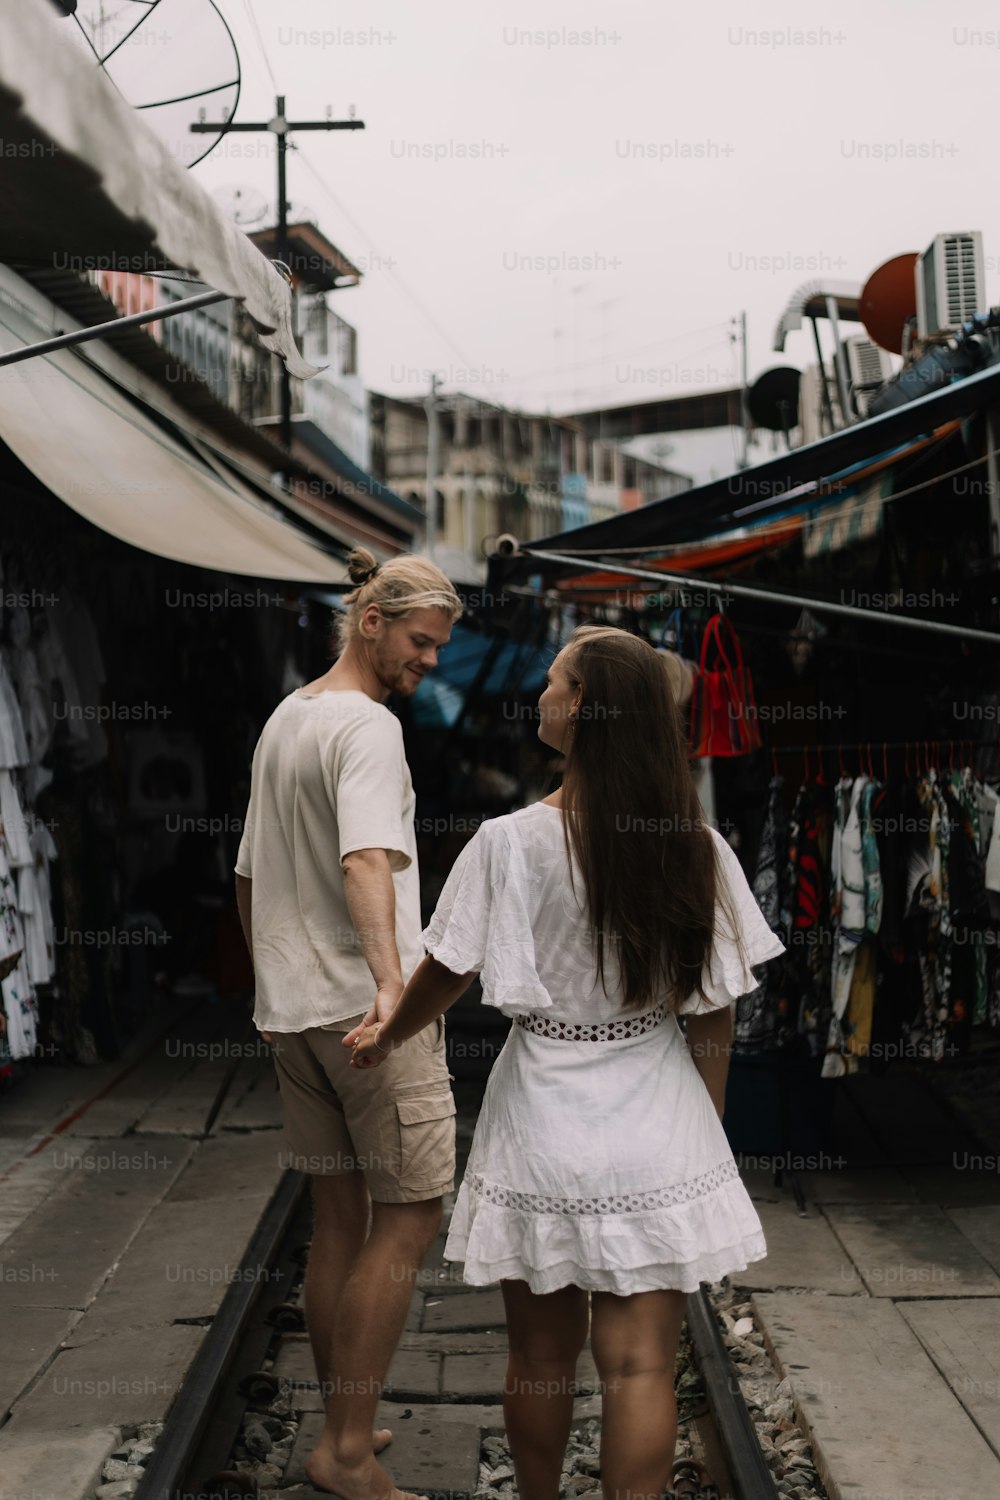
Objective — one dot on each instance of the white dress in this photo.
(598, 1159)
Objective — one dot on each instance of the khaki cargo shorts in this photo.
(394, 1123)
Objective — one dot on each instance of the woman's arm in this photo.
(709, 1037)
(432, 989)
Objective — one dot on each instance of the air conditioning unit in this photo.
(869, 367)
(950, 282)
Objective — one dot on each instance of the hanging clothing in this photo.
(806, 916)
(848, 908)
(761, 1020)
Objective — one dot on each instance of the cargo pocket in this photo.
(427, 1140)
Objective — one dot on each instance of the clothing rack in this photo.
(868, 749)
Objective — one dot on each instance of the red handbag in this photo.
(723, 707)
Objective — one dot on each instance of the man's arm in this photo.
(709, 1037)
(371, 901)
(431, 990)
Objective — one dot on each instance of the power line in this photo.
(599, 393)
(646, 348)
(385, 260)
(248, 7)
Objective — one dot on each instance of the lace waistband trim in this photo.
(614, 1203)
(608, 1031)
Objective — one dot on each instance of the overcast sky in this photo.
(562, 205)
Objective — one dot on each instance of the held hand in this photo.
(366, 1053)
(385, 1003)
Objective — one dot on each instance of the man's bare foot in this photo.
(366, 1481)
(381, 1438)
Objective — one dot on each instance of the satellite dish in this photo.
(888, 299)
(773, 399)
(175, 60)
(245, 206)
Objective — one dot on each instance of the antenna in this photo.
(166, 59)
(773, 400)
(888, 300)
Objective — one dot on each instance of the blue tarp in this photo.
(517, 668)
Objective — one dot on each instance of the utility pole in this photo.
(430, 526)
(744, 382)
(281, 127)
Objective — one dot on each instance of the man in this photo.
(328, 892)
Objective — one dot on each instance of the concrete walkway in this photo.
(882, 1305)
(121, 1227)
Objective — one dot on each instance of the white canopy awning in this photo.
(102, 454)
(86, 184)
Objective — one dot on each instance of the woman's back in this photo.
(510, 910)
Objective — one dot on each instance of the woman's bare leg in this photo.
(634, 1343)
(545, 1335)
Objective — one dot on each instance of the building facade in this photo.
(502, 471)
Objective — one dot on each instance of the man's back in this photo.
(329, 776)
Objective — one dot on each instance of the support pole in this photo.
(838, 360)
(430, 519)
(99, 330)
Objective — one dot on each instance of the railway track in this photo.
(233, 1378)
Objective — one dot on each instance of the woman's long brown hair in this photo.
(632, 819)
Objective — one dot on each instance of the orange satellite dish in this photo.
(888, 298)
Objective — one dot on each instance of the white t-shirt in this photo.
(329, 776)
(509, 911)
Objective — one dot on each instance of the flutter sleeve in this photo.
(729, 972)
(482, 924)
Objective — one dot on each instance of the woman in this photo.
(599, 1163)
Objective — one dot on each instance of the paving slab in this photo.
(981, 1227)
(424, 1436)
(800, 1253)
(417, 1458)
(954, 1186)
(235, 1165)
(183, 1108)
(156, 1070)
(469, 1341)
(65, 1465)
(481, 1376)
(881, 1420)
(963, 1340)
(61, 1254)
(901, 1250)
(857, 1185)
(120, 1380)
(178, 1267)
(30, 1179)
(414, 1374)
(253, 1101)
(479, 1309)
(30, 1335)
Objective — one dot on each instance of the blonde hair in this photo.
(398, 586)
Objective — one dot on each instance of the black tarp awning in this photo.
(762, 492)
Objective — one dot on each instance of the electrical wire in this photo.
(646, 348)
(598, 394)
(404, 287)
(248, 7)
